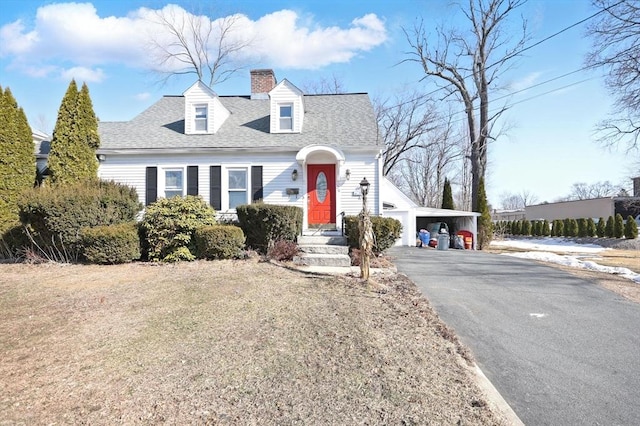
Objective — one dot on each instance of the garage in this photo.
(413, 218)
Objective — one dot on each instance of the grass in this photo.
(226, 342)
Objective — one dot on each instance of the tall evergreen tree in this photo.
(609, 228)
(485, 226)
(86, 118)
(600, 228)
(72, 157)
(447, 196)
(618, 226)
(591, 228)
(630, 229)
(17, 157)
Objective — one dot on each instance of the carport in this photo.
(412, 217)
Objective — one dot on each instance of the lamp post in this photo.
(366, 232)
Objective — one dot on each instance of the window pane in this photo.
(171, 194)
(237, 198)
(173, 179)
(201, 112)
(201, 124)
(285, 124)
(321, 187)
(285, 111)
(237, 179)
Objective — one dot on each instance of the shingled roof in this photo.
(346, 120)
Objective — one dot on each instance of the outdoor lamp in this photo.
(294, 174)
(364, 186)
(347, 174)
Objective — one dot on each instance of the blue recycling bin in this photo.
(424, 237)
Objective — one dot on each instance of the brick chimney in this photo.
(636, 186)
(262, 81)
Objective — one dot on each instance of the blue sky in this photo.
(548, 144)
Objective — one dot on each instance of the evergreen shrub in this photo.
(110, 244)
(609, 228)
(582, 227)
(618, 226)
(591, 228)
(600, 228)
(264, 224)
(386, 231)
(219, 242)
(169, 224)
(630, 228)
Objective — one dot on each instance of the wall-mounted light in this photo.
(347, 174)
(294, 174)
(101, 157)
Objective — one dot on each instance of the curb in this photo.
(495, 398)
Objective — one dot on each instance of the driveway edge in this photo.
(495, 398)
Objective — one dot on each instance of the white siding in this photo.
(285, 93)
(197, 95)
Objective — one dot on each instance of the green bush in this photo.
(110, 244)
(386, 231)
(546, 231)
(582, 227)
(219, 242)
(618, 226)
(591, 228)
(525, 229)
(600, 228)
(168, 226)
(12, 241)
(516, 227)
(630, 228)
(558, 228)
(609, 228)
(263, 224)
(54, 215)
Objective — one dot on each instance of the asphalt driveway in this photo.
(560, 349)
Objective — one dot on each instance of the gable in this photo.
(203, 111)
(286, 108)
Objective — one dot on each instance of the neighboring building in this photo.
(507, 215)
(42, 146)
(593, 208)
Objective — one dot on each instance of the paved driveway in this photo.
(561, 350)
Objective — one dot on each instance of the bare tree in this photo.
(584, 191)
(509, 201)
(186, 43)
(469, 66)
(616, 37)
(325, 86)
(403, 125)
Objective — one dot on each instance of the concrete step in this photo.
(323, 249)
(334, 260)
(318, 240)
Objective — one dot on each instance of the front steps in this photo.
(327, 249)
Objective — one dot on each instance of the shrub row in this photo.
(613, 227)
(264, 224)
(386, 231)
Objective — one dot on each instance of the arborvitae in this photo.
(86, 119)
(567, 227)
(485, 226)
(618, 226)
(630, 228)
(17, 157)
(515, 227)
(526, 228)
(609, 228)
(600, 228)
(537, 228)
(559, 228)
(545, 228)
(447, 196)
(508, 228)
(591, 228)
(582, 227)
(71, 159)
(573, 228)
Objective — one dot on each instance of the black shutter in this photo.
(151, 185)
(215, 187)
(192, 180)
(256, 183)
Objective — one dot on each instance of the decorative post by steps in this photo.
(366, 232)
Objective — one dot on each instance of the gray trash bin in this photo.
(443, 241)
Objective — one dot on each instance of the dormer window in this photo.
(201, 118)
(286, 117)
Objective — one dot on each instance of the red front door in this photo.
(321, 190)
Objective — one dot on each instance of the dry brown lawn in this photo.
(241, 342)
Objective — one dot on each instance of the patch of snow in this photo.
(543, 250)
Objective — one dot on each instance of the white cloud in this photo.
(525, 82)
(142, 96)
(83, 74)
(73, 37)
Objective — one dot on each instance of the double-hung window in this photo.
(201, 118)
(173, 182)
(238, 190)
(286, 117)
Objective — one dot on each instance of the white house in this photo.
(277, 145)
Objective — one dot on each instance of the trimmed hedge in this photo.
(55, 214)
(110, 244)
(263, 224)
(386, 230)
(219, 242)
(168, 226)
